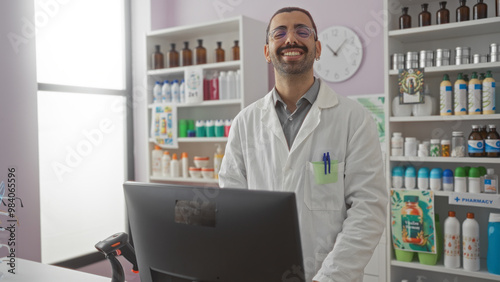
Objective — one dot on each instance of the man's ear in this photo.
(266, 53)
(318, 49)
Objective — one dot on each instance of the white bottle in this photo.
(410, 178)
(426, 108)
(401, 110)
(231, 85)
(452, 241)
(185, 165)
(156, 160)
(238, 84)
(166, 93)
(397, 144)
(491, 182)
(410, 147)
(157, 92)
(165, 164)
(176, 92)
(470, 243)
(223, 95)
(474, 180)
(183, 91)
(174, 167)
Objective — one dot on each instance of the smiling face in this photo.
(292, 54)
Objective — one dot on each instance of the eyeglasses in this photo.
(280, 33)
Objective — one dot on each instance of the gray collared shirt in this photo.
(291, 122)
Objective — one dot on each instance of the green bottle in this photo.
(430, 258)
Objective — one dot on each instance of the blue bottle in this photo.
(493, 256)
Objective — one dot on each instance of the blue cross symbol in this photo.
(457, 199)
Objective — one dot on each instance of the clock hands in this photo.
(335, 52)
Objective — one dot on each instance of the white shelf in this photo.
(182, 179)
(208, 103)
(444, 118)
(221, 66)
(482, 274)
(447, 31)
(197, 139)
(481, 67)
(446, 160)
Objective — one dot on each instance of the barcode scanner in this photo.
(116, 245)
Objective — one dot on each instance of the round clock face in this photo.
(341, 54)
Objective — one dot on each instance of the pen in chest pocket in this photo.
(326, 161)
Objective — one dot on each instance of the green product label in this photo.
(411, 225)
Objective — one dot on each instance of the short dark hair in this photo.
(289, 10)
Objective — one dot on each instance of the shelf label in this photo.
(476, 200)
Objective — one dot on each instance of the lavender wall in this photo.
(364, 17)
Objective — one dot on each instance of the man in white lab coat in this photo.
(281, 141)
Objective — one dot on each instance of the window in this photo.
(83, 90)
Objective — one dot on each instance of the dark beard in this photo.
(293, 68)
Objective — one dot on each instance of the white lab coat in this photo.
(341, 223)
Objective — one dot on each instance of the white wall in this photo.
(18, 124)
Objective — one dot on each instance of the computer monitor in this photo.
(184, 233)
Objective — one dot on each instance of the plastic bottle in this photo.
(185, 165)
(176, 91)
(401, 110)
(423, 178)
(182, 89)
(410, 147)
(165, 164)
(460, 97)
(238, 84)
(445, 148)
(475, 103)
(397, 177)
(426, 108)
(219, 128)
(483, 172)
(219, 154)
(422, 150)
(492, 142)
(462, 12)
(443, 14)
(435, 150)
(405, 19)
(223, 92)
(397, 144)
(166, 93)
(157, 58)
(201, 131)
(491, 182)
(435, 179)
(410, 178)
(231, 85)
(474, 180)
(174, 166)
(430, 258)
(475, 143)
(452, 241)
(446, 97)
(470, 243)
(424, 18)
(448, 180)
(460, 180)
(210, 128)
(157, 92)
(227, 127)
(156, 156)
(489, 94)
(493, 255)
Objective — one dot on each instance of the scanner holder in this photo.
(116, 245)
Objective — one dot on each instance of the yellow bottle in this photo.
(474, 95)
(446, 97)
(488, 94)
(460, 98)
(217, 160)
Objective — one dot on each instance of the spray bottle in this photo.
(219, 154)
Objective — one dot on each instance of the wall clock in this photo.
(341, 54)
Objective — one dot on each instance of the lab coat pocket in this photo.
(324, 191)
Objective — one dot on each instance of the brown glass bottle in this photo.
(463, 12)
(483, 132)
(497, 8)
(491, 141)
(201, 53)
(443, 14)
(236, 51)
(220, 54)
(475, 143)
(480, 10)
(187, 55)
(173, 57)
(157, 57)
(424, 18)
(405, 19)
